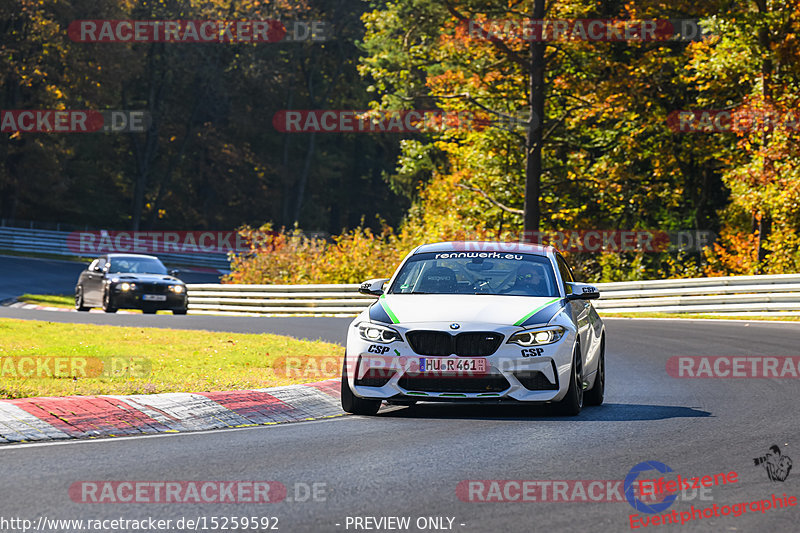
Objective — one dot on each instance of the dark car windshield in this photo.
(457, 272)
(136, 265)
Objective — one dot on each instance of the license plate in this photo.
(154, 297)
(469, 366)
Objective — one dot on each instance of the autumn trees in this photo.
(572, 132)
(211, 157)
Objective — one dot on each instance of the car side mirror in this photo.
(174, 272)
(373, 287)
(582, 291)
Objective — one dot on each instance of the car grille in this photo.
(467, 344)
(535, 380)
(153, 288)
(436, 383)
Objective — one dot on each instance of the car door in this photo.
(580, 308)
(93, 282)
(588, 322)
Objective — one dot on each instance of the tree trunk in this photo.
(533, 138)
(765, 224)
(301, 187)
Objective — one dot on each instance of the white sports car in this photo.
(476, 322)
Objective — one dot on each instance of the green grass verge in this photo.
(51, 300)
(90, 359)
(686, 315)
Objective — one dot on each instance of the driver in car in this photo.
(529, 282)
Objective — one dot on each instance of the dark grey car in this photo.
(130, 281)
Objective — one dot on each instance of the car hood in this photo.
(144, 278)
(508, 310)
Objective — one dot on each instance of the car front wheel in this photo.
(596, 394)
(572, 403)
(108, 303)
(79, 303)
(352, 403)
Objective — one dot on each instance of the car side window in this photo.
(566, 273)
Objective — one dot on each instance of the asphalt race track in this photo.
(37, 276)
(22, 275)
(327, 329)
(408, 462)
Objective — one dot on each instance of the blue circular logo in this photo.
(630, 482)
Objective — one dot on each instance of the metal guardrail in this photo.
(777, 295)
(55, 243)
(276, 300)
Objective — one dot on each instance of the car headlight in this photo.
(177, 288)
(375, 333)
(127, 286)
(537, 337)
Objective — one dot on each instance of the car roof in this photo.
(485, 246)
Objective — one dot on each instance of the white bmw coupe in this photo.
(484, 322)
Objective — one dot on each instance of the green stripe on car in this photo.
(526, 317)
(382, 301)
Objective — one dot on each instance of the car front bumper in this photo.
(135, 300)
(391, 371)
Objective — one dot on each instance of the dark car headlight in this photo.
(377, 333)
(177, 289)
(537, 337)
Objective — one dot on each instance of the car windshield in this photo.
(513, 274)
(136, 265)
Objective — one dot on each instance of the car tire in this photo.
(149, 311)
(596, 394)
(352, 403)
(179, 311)
(79, 303)
(108, 303)
(572, 403)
